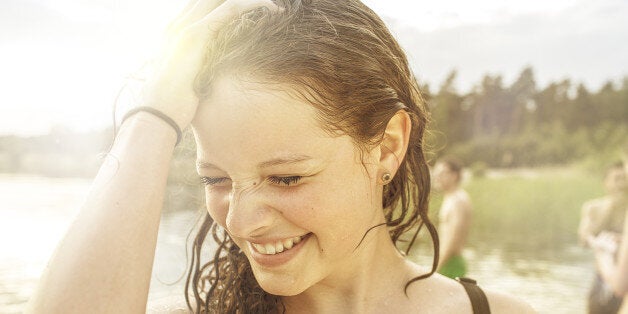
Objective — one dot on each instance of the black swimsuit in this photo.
(477, 296)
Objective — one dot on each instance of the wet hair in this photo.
(616, 165)
(340, 57)
(454, 164)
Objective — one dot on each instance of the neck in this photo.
(374, 273)
(452, 190)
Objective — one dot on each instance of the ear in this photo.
(395, 143)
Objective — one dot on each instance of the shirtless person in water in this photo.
(454, 217)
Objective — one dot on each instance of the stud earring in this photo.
(386, 177)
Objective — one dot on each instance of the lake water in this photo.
(35, 212)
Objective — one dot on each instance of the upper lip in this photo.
(272, 240)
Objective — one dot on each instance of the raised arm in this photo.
(586, 226)
(104, 262)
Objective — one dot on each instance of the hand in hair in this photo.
(104, 262)
(170, 90)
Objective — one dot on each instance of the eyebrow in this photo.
(265, 164)
(284, 161)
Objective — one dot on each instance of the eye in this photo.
(284, 180)
(211, 181)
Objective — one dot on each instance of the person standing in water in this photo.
(454, 216)
(611, 256)
(601, 227)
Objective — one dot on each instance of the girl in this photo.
(309, 130)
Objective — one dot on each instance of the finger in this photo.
(188, 7)
(230, 10)
(194, 11)
(200, 10)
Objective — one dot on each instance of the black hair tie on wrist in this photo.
(157, 114)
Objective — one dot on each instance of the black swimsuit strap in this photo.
(477, 296)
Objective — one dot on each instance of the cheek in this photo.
(332, 210)
(217, 201)
(300, 205)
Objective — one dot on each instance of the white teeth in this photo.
(288, 244)
(258, 247)
(277, 247)
(270, 249)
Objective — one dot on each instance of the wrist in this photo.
(155, 115)
(148, 128)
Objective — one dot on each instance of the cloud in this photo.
(73, 54)
(586, 43)
(28, 21)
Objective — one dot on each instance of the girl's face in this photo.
(294, 198)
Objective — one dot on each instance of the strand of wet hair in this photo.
(367, 231)
(434, 235)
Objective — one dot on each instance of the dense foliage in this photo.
(493, 125)
(521, 125)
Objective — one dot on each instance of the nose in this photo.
(248, 215)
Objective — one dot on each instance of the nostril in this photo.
(248, 215)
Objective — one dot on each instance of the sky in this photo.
(63, 61)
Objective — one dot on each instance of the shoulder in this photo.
(594, 205)
(456, 198)
(439, 294)
(462, 196)
(503, 303)
(597, 209)
(461, 202)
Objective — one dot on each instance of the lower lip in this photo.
(274, 260)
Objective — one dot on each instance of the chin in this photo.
(279, 285)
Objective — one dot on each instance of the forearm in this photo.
(446, 250)
(584, 234)
(452, 241)
(443, 257)
(613, 270)
(105, 260)
(611, 274)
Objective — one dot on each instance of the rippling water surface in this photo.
(36, 211)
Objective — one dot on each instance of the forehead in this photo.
(256, 121)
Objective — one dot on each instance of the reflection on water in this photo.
(550, 284)
(36, 211)
(34, 215)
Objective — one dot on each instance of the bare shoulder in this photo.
(439, 294)
(504, 303)
(595, 205)
(463, 199)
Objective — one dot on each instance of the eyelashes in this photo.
(212, 181)
(284, 180)
(281, 181)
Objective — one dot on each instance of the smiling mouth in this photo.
(278, 246)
